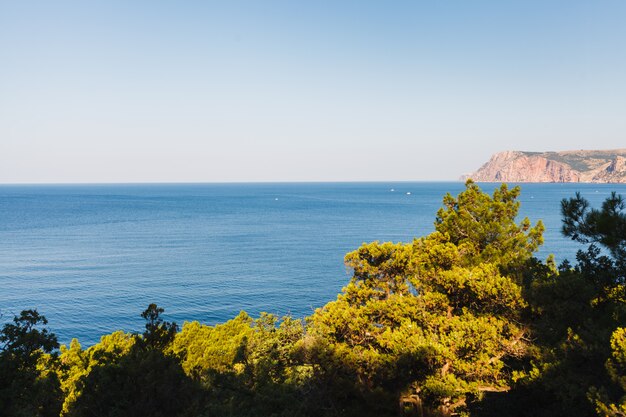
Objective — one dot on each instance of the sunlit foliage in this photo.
(464, 321)
(435, 320)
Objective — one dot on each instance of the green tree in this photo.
(247, 367)
(158, 334)
(76, 363)
(605, 226)
(28, 383)
(616, 368)
(203, 348)
(484, 227)
(575, 310)
(146, 380)
(434, 321)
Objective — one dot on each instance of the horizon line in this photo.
(222, 182)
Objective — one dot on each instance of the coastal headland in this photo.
(590, 166)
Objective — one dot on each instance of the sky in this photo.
(221, 91)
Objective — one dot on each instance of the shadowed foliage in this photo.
(462, 322)
(28, 384)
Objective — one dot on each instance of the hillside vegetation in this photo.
(462, 322)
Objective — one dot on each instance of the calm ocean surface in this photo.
(91, 257)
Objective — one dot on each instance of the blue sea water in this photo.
(92, 257)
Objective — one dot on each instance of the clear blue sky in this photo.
(128, 91)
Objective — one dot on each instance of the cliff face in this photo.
(568, 166)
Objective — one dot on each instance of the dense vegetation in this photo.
(464, 321)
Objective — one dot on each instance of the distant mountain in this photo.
(567, 166)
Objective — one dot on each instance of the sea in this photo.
(90, 258)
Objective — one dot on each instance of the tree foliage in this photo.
(484, 227)
(434, 321)
(605, 226)
(129, 375)
(28, 384)
(576, 310)
(463, 321)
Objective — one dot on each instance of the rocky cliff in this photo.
(568, 166)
